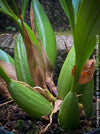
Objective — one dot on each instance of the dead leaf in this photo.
(67, 50)
(32, 19)
(42, 74)
(35, 59)
(87, 72)
(48, 67)
(10, 70)
(3, 89)
(50, 85)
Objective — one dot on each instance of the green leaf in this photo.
(6, 57)
(86, 29)
(69, 11)
(65, 78)
(4, 5)
(86, 99)
(21, 64)
(6, 12)
(15, 7)
(24, 6)
(44, 31)
(5, 9)
(69, 112)
(32, 36)
(76, 6)
(65, 83)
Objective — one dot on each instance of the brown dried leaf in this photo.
(39, 65)
(32, 19)
(35, 60)
(87, 72)
(48, 66)
(50, 85)
(10, 70)
(3, 89)
(67, 50)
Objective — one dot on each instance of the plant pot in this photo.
(97, 131)
(3, 131)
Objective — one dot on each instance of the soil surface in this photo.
(14, 119)
(53, 9)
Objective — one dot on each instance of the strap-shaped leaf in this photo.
(6, 12)
(32, 36)
(76, 6)
(5, 9)
(4, 5)
(69, 112)
(15, 7)
(65, 77)
(69, 11)
(21, 64)
(24, 6)
(44, 31)
(86, 98)
(6, 57)
(86, 29)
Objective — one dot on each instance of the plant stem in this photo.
(4, 75)
(75, 80)
(73, 86)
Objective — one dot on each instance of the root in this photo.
(57, 106)
(5, 103)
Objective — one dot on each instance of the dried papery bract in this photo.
(40, 68)
(35, 60)
(48, 68)
(3, 89)
(10, 70)
(87, 72)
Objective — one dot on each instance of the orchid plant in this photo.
(29, 74)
